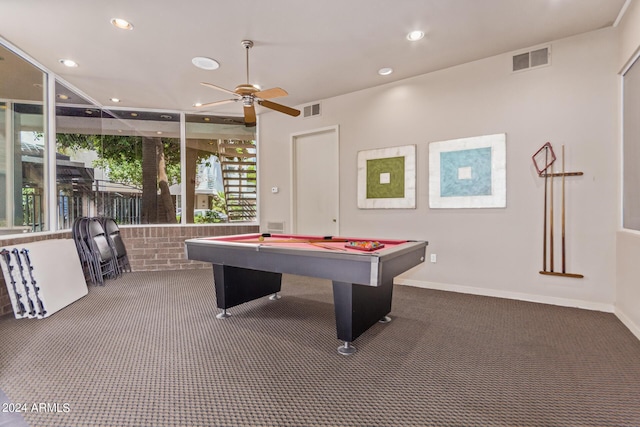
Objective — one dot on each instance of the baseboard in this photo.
(542, 299)
(626, 320)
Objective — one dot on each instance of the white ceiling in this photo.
(313, 49)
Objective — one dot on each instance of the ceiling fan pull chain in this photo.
(247, 52)
(248, 44)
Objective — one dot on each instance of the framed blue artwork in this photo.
(468, 172)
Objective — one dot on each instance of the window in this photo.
(23, 148)
(117, 163)
(631, 148)
(77, 121)
(121, 163)
(140, 163)
(221, 163)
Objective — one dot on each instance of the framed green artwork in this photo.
(468, 172)
(387, 178)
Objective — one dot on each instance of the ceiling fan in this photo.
(250, 95)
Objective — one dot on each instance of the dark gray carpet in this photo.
(147, 350)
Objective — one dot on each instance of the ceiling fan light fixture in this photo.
(415, 35)
(123, 24)
(205, 63)
(385, 71)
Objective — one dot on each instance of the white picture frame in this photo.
(468, 172)
(377, 170)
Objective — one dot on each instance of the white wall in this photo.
(494, 251)
(628, 242)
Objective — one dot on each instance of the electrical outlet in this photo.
(434, 258)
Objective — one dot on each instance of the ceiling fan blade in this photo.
(279, 107)
(274, 92)
(218, 88)
(216, 103)
(249, 115)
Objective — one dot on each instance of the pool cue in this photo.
(275, 241)
(327, 247)
(551, 223)
(564, 270)
(544, 238)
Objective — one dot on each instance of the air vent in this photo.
(532, 59)
(311, 110)
(275, 227)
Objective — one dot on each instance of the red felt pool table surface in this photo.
(307, 242)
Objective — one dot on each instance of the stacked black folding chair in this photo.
(102, 254)
(83, 249)
(117, 244)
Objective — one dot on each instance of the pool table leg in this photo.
(235, 286)
(357, 308)
(223, 315)
(347, 349)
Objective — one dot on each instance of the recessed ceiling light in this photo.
(205, 63)
(165, 116)
(123, 24)
(63, 96)
(114, 99)
(134, 114)
(69, 63)
(159, 132)
(198, 104)
(385, 71)
(207, 119)
(88, 112)
(415, 35)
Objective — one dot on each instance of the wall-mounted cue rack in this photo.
(546, 154)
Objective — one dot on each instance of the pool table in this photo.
(250, 266)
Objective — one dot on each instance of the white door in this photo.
(315, 182)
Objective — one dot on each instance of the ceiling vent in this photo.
(311, 110)
(532, 59)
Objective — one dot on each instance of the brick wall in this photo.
(150, 248)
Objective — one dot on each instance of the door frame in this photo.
(335, 130)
